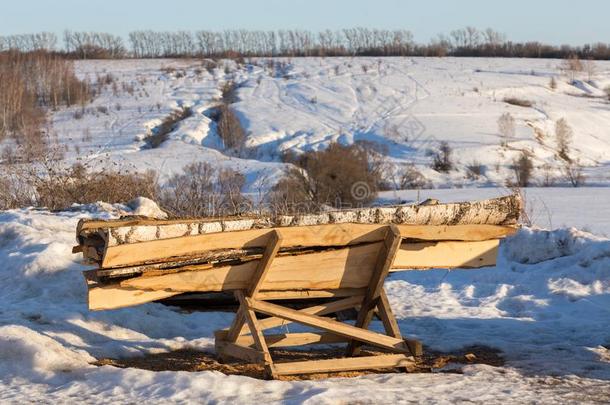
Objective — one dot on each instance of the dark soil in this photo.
(191, 360)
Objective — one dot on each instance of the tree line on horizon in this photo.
(466, 42)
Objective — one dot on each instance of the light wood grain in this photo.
(345, 364)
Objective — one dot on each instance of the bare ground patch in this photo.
(192, 360)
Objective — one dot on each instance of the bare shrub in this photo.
(475, 170)
(571, 67)
(548, 178)
(13, 192)
(78, 185)
(162, 131)
(79, 114)
(49, 183)
(523, 169)
(506, 127)
(442, 158)
(520, 102)
(230, 185)
(573, 171)
(563, 138)
(230, 129)
(339, 176)
(412, 178)
(203, 191)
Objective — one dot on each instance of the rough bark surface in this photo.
(498, 211)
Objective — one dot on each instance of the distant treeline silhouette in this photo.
(468, 41)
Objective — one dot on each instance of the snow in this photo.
(407, 105)
(546, 207)
(146, 207)
(545, 305)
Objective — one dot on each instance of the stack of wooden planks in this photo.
(344, 256)
(140, 260)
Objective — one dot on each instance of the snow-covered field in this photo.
(546, 305)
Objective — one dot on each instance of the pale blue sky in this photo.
(551, 21)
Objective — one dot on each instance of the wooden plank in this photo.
(385, 260)
(273, 245)
(239, 351)
(113, 296)
(341, 268)
(306, 294)
(430, 255)
(264, 264)
(387, 317)
(329, 325)
(414, 255)
(255, 332)
(237, 326)
(328, 270)
(456, 232)
(344, 364)
(323, 235)
(317, 235)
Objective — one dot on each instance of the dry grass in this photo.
(48, 183)
(77, 185)
(518, 102)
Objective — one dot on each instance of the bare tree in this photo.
(571, 67)
(590, 68)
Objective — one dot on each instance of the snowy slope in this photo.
(545, 305)
(408, 105)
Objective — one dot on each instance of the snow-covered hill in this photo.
(408, 105)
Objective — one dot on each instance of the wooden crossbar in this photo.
(344, 364)
(329, 325)
(323, 309)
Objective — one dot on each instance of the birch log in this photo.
(498, 211)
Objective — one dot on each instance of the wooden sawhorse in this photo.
(245, 339)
